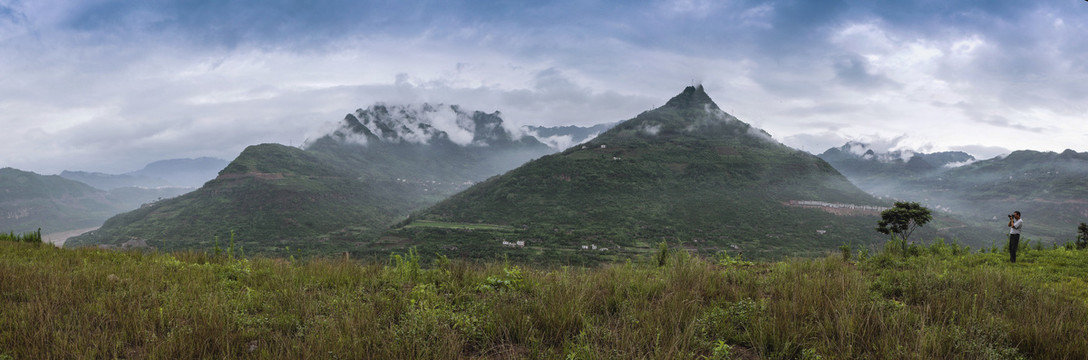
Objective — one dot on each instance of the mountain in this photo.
(182, 172)
(29, 201)
(857, 161)
(105, 181)
(562, 137)
(191, 173)
(1049, 188)
(685, 172)
(342, 190)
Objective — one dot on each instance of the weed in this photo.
(721, 351)
(724, 259)
(407, 265)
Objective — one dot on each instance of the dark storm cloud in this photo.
(314, 23)
(230, 23)
(854, 71)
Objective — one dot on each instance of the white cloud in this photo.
(154, 82)
(651, 130)
(558, 142)
(959, 164)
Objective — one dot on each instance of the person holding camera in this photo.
(1014, 233)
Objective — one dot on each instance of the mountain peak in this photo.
(426, 124)
(692, 96)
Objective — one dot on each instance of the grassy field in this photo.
(935, 302)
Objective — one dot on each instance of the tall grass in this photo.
(936, 303)
(27, 237)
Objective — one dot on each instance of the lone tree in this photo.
(902, 219)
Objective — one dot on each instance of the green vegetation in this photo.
(334, 196)
(28, 237)
(682, 173)
(29, 201)
(929, 302)
(272, 196)
(902, 219)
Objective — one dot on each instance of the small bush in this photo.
(407, 265)
(722, 351)
(863, 254)
(723, 259)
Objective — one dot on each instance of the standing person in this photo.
(1014, 233)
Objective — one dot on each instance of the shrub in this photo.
(408, 265)
(723, 259)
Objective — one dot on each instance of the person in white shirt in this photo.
(1015, 223)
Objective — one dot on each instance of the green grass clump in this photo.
(937, 302)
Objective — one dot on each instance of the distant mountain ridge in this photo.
(427, 123)
(858, 156)
(183, 172)
(424, 124)
(103, 181)
(29, 201)
(1050, 188)
(189, 173)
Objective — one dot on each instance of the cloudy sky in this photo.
(108, 86)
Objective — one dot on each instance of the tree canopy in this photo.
(902, 219)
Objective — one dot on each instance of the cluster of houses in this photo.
(521, 244)
(593, 247)
(836, 205)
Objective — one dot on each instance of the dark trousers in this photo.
(1014, 243)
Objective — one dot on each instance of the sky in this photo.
(108, 86)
